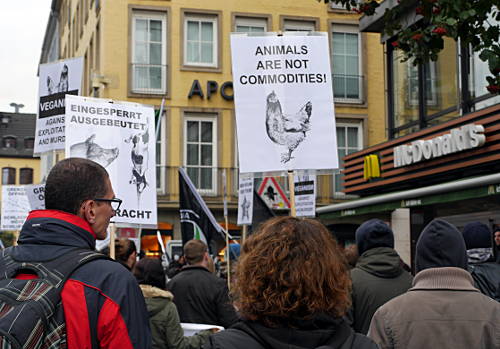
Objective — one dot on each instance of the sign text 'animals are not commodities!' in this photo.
(284, 102)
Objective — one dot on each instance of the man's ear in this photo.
(88, 211)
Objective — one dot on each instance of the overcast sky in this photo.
(22, 28)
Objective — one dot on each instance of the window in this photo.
(293, 25)
(200, 41)
(349, 140)
(250, 25)
(9, 142)
(149, 59)
(160, 152)
(347, 78)
(29, 143)
(430, 83)
(26, 175)
(8, 175)
(335, 6)
(200, 151)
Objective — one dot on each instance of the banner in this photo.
(261, 212)
(245, 201)
(36, 196)
(305, 195)
(15, 207)
(56, 81)
(197, 221)
(120, 137)
(284, 103)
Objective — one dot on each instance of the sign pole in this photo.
(112, 234)
(291, 186)
(244, 233)
(228, 266)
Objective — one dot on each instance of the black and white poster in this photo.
(305, 195)
(55, 82)
(284, 102)
(245, 201)
(36, 196)
(15, 207)
(120, 136)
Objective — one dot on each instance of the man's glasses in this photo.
(115, 203)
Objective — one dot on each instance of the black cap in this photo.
(374, 233)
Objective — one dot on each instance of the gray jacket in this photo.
(442, 310)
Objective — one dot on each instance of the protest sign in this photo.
(15, 207)
(245, 201)
(36, 196)
(120, 137)
(56, 80)
(284, 102)
(305, 195)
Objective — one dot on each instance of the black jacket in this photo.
(377, 278)
(202, 297)
(487, 278)
(324, 332)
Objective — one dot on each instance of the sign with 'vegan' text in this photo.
(284, 102)
(56, 81)
(120, 137)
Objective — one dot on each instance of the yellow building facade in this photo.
(143, 51)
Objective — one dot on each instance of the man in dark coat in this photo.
(378, 276)
(200, 296)
(484, 269)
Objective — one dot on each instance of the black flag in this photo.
(197, 222)
(261, 212)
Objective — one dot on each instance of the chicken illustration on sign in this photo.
(89, 149)
(288, 130)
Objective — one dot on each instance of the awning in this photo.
(470, 188)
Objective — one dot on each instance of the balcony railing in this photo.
(348, 88)
(148, 78)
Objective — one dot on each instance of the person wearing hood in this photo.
(166, 330)
(378, 276)
(291, 291)
(443, 309)
(482, 265)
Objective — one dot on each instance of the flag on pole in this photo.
(261, 212)
(197, 222)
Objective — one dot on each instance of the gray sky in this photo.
(22, 28)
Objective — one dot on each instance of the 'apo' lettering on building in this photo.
(458, 139)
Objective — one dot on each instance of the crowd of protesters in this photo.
(294, 286)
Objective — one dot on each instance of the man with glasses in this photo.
(102, 303)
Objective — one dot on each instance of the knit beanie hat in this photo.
(476, 235)
(440, 245)
(373, 233)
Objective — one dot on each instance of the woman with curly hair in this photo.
(292, 291)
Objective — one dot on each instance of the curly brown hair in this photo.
(291, 269)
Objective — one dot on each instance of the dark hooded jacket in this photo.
(442, 309)
(102, 303)
(378, 276)
(322, 332)
(484, 269)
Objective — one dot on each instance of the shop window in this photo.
(349, 140)
(26, 175)
(200, 151)
(200, 41)
(346, 64)
(149, 53)
(430, 83)
(293, 25)
(9, 142)
(8, 175)
(250, 25)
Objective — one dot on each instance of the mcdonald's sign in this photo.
(371, 167)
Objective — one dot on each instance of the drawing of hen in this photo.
(285, 129)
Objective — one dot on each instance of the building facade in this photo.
(441, 159)
(143, 51)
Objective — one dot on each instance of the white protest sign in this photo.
(284, 102)
(245, 201)
(36, 196)
(120, 137)
(305, 195)
(15, 207)
(56, 80)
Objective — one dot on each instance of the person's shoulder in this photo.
(361, 341)
(232, 338)
(105, 273)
